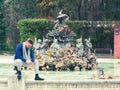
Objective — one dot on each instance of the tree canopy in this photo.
(88, 10)
(2, 26)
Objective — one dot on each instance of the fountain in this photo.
(58, 52)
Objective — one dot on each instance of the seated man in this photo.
(24, 57)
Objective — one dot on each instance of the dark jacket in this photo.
(19, 53)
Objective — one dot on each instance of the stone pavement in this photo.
(6, 59)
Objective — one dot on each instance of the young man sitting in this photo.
(24, 56)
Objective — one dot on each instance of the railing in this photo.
(99, 23)
(103, 51)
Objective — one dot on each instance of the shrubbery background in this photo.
(31, 28)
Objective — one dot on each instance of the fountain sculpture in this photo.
(58, 52)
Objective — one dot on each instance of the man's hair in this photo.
(30, 41)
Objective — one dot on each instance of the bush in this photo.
(100, 37)
(31, 28)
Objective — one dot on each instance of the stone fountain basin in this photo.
(61, 80)
(6, 70)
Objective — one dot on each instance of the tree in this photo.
(2, 27)
(47, 7)
(16, 10)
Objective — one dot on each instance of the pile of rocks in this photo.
(67, 61)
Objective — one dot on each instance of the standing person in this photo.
(24, 56)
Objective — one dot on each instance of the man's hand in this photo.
(29, 62)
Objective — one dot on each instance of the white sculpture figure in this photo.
(88, 47)
(38, 46)
(55, 47)
(80, 47)
(44, 46)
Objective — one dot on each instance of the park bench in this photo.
(103, 51)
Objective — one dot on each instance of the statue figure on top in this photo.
(61, 31)
(61, 19)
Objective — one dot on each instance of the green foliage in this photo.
(15, 10)
(2, 27)
(46, 7)
(104, 38)
(79, 29)
(100, 37)
(82, 9)
(31, 28)
(91, 10)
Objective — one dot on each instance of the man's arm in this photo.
(32, 55)
(18, 53)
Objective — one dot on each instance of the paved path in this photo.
(6, 58)
(108, 60)
(10, 59)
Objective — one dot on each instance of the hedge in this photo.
(31, 28)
